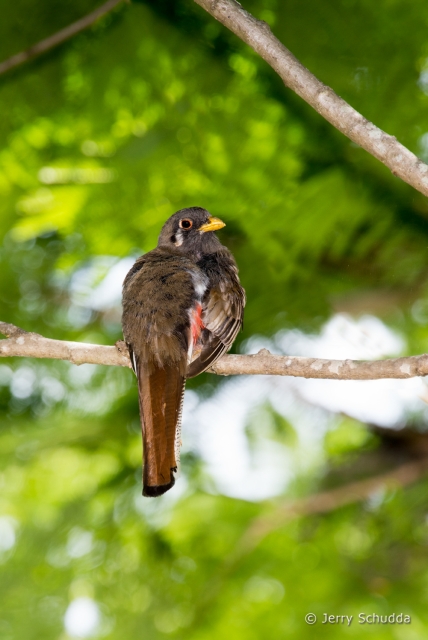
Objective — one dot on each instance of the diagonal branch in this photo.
(58, 37)
(286, 510)
(32, 345)
(330, 500)
(256, 33)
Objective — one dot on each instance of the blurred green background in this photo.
(158, 107)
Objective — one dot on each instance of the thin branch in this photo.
(327, 501)
(32, 345)
(57, 38)
(265, 363)
(286, 510)
(257, 34)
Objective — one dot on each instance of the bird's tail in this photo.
(161, 392)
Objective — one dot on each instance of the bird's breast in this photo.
(200, 282)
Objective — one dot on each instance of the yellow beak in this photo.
(213, 224)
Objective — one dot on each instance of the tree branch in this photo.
(286, 510)
(257, 34)
(32, 345)
(57, 38)
(327, 501)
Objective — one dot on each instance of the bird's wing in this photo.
(158, 299)
(222, 312)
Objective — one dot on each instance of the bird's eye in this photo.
(186, 224)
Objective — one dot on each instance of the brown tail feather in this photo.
(161, 393)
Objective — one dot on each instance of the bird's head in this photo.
(190, 231)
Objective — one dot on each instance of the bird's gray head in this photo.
(190, 232)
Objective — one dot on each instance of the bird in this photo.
(183, 306)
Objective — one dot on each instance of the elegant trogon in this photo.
(182, 309)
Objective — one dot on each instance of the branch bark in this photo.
(32, 345)
(257, 34)
(57, 38)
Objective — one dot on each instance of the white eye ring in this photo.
(185, 224)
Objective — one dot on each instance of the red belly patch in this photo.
(196, 323)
